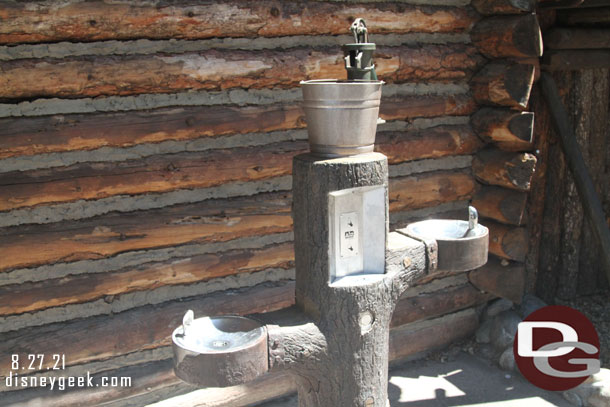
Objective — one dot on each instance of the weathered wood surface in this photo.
(435, 142)
(432, 305)
(208, 221)
(501, 204)
(430, 189)
(159, 173)
(412, 339)
(143, 328)
(77, 20)
(537, 193)
(577, 38)
(501, 281)
(108, 235)
(507, 242)
(508, 37)
(28, 297)
(505, 169)
(73, 132)
(574, 135)
(503, 84)
(62, 133)
(585, 16)
(575, 60)
(222, 69)
(507, 129)
(492, 7)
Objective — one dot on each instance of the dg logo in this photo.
(556, 348)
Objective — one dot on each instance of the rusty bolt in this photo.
(369, 402)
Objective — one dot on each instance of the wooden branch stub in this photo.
(405, 258)
(503, 84)
(490, 7)
(503, 281)
(507, 242)
(577, 38)
(575, 60)
(501, 204)
(508, 37)
(510, 170)
(507, 129)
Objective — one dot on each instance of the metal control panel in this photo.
(357, 226)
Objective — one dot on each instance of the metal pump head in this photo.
(359, 55)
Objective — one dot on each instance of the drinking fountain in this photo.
(350, 270)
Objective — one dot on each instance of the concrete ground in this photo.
(464, 381)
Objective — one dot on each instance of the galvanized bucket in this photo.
(341, 115)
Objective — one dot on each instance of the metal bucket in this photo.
(341, 115)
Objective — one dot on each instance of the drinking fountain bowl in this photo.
(462, 245)
(219, 351)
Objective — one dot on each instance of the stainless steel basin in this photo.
(219, 351)
(462, 245)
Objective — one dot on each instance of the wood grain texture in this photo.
(507, 242)
(159, 173)
(28, 297)
(501, 204)
(432, 305)
(576, 60)
(76, 20)
(75, 132)
(508, 37)
(504, 84)
(586, 17)
(93, 76)
(507, 129)
(108, 235)
(577, 38)
(430, 189)
(435, 142)
(505, 169)
(502, 281)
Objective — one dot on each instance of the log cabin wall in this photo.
(577, 54)
(145, 159)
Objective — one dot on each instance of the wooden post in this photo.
(352, 313)
(507, 129)
(503, 84)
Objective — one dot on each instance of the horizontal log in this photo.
(144, 328)
(504, 84)
(575, 60)
(501, 204)
(491, 7)
(429, 189)
(207, 221)
(77, 20)
(425, 306)
(584, 16)
(508, 36)
(507, 129)
(505, 169)
(62, 133)
(215, 69)
(435, 142)
(412, 339)
(111, 234)
(577, 38)
(28, 297)
(501, 281)
(507, 242)
(160, 173)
